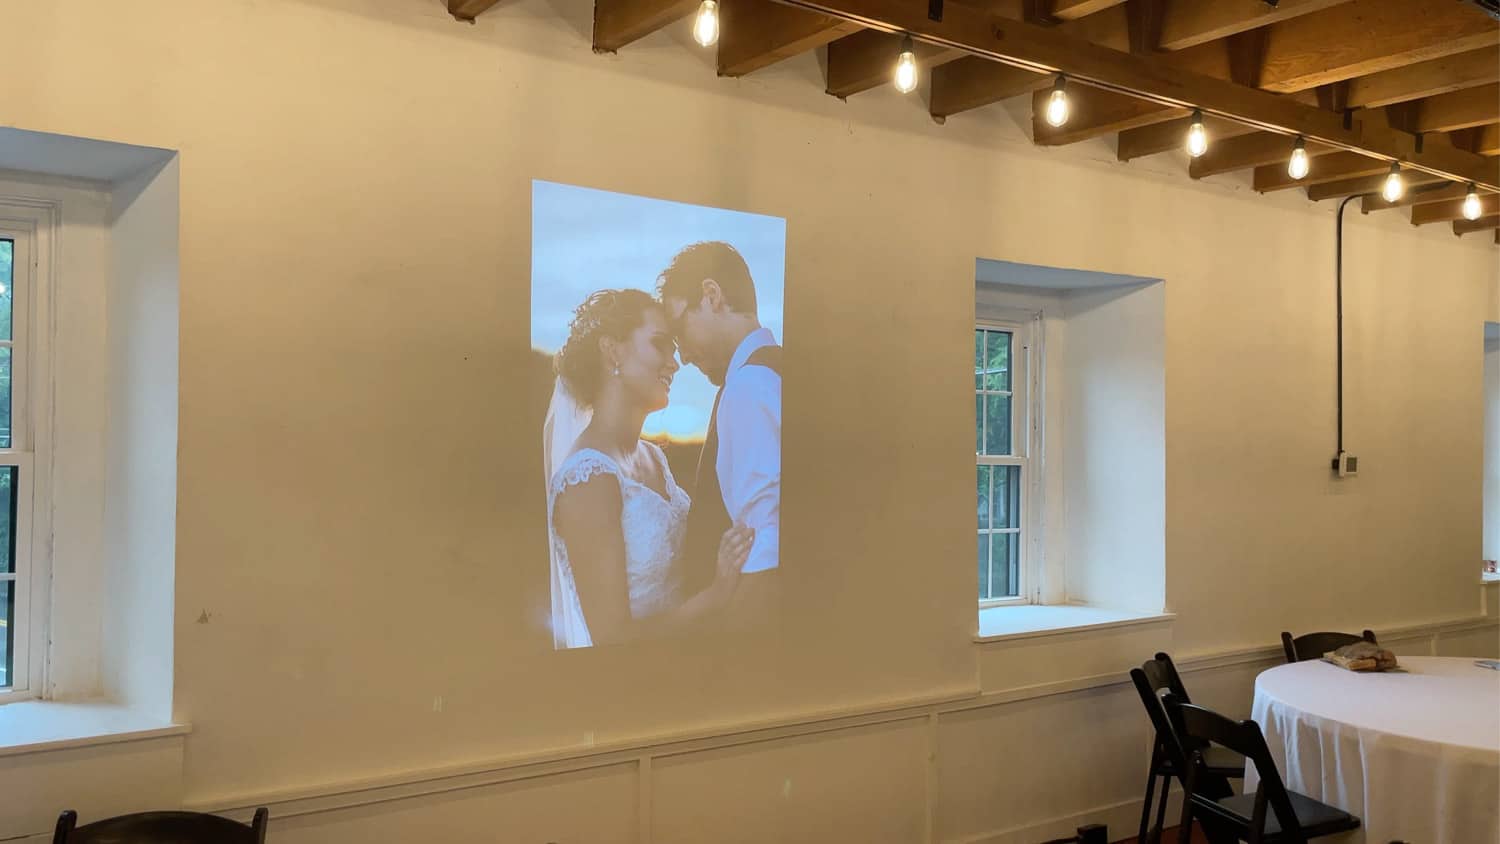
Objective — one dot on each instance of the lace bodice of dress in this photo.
(653, 526)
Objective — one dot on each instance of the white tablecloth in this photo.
(1414, 754)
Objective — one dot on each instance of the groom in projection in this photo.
(709, 298)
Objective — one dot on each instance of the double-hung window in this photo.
(19, 661)
(1002, 454)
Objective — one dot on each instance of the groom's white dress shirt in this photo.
(749, 460)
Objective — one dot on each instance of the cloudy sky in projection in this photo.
(584, 240)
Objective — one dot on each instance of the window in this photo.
(1069, 387)
(1002, 451)
(17, 274)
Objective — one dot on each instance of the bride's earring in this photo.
(617, 370)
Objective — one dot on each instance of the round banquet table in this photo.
(1415, 754)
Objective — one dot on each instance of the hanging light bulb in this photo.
(906, 67)
(1472, 209)
(1197, 137)
(706, 25)
(1394, 185)
(1297, 166)
(1057, 104)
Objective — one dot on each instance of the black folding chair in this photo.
(1314, 645)
(1292, 817)
(1154, 678)
(161, 828)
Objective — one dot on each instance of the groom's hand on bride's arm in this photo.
(734, 549)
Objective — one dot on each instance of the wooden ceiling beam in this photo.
(1255, 150)
(468, 10)
(1188, 24)
(1194, 23)
(1168, 136)
(1459, 110)
(1068, 10)
(1366, 185)
(620, 22)
(1422, 195)
(1091, 107)
(1340, 43)
(865, 60)
(973, 82)
(755, 34)
(1370, 36)
(970, 83)
(1482, 140)
(1463, 227)
(1331, 167)
(1453, 209)
(1047, 50)
(1426, 79)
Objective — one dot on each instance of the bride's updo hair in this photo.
(605, 313)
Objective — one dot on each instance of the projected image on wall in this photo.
(658, 326)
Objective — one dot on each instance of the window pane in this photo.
(997, 425)
(984, 567)
(983, 488)
(1005, 503)
(1004, 557)
(5, 397)
(7, 252)
(978, 359)
(7, 519)
(7, 630)
(979, 424)
(997, 365)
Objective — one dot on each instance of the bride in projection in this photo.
(615, 515)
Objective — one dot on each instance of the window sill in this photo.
(33, 726)
(1489, 577)
(997, 624)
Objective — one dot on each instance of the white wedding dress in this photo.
(653, 527)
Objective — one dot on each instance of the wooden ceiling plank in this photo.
(1463, 227)
(1194, 23)
(1111, 27)
(1343, 42)
(1255, 150)
(755, 34)
(1331, 167)
(1426, 79)
(865, 60)
(468, 10)
(1068, 10)
(1482, 140)
(1168, 136)
(1370, 36)
(1450, 210)
(1047, 50)
(1459, 109)
(1366, 185)
(621, 22)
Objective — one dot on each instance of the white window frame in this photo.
(31, 226)
(1026, 394)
